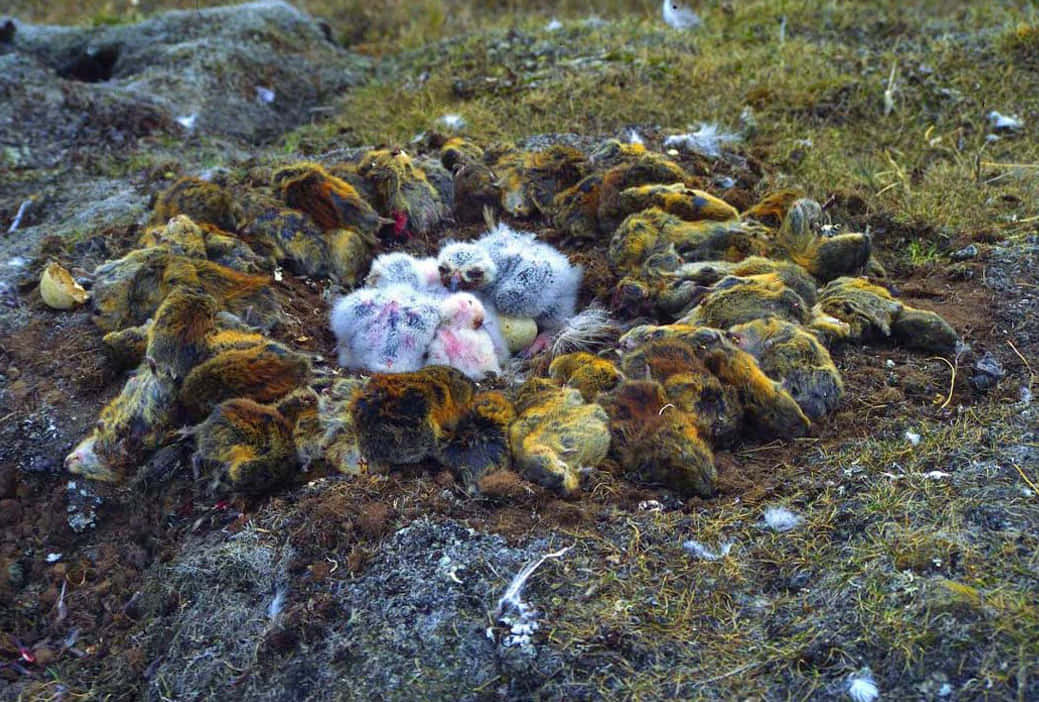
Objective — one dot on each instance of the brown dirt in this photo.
(61, 370)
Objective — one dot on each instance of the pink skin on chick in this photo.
(427, 268)
(83, 460)
(460, 341)
(462, 310)
(541, 343)
(384, 329)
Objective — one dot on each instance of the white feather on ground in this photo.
(277, 602)
(453, 121)
(1001, 122)
(678, 16)
(706, 141)
(518, 616)
(781, 519)
(862, 687)
(588, 329)
(695, 548)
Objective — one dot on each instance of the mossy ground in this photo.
(918, 561)
(887, 101)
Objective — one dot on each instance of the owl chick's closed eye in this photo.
(461, 341)
(465, 266)
(462, 310)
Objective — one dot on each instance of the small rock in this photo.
(16, 575)
(990, 365)
(82, 506)
(44, 655)
(502, 484)
(7, 482)
(989, 372)
(10, 512)
(374, 519)
(967, 252)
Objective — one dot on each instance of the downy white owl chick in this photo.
(386, 330)
(519, 275)
(404, 269)
(461, 340)
(421, 274)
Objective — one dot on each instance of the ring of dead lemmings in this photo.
(719, 328)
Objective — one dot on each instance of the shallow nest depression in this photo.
(722, 319)
(777, 338)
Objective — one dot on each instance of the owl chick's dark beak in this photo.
(455, 282)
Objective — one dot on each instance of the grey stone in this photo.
(178, 72)
(16, 575)
(83, 504)
(989, 371)
(967, 252)
(990, 365)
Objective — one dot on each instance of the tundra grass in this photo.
(916, 561)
